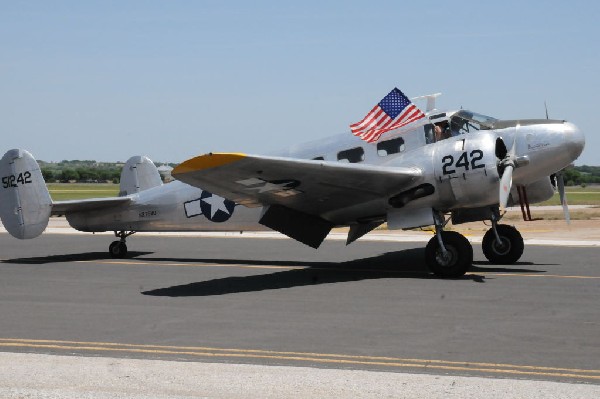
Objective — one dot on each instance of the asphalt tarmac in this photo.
(368, 306)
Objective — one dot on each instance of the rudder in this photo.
(25, 202)
(138, 174)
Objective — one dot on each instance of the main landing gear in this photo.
(502, 244)
(450, 255)
(118, 249)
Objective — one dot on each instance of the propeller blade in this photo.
(560, 182)
(505, 186)
(508, 164)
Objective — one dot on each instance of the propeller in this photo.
(560, 183)
(506, 165)
(506, 183)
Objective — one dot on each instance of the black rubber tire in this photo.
(118, 249)
(460, 251)
(507, 254)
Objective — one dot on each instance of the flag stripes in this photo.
(394, 111)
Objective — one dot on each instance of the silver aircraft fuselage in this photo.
(463, 169)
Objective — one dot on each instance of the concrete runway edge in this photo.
(51, 376)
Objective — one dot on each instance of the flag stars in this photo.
(392, 112)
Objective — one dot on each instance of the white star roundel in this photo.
(214, 208)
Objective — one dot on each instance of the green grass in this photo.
(572, 189)
(74, 191)
(577, 196)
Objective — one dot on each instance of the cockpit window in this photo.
(467, 122)
(459, 125)
(483, 119)
(445, 126)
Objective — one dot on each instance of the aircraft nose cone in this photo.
(574, 140)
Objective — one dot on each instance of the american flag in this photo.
(392, 112)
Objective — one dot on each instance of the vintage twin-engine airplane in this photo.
(428, 169)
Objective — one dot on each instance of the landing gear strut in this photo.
(502, 244)
(448, 254)
(118, 249)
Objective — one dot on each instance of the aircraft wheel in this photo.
(118, 249)
(506, 252)
(458, 259)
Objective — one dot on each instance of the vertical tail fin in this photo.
(25, 202)
(138, 174)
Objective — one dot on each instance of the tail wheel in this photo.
(455, 262)
(508, 250)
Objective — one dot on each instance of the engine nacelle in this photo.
(538, 191)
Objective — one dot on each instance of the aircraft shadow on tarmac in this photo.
(404, 264)
(65, 258)
(401, 264)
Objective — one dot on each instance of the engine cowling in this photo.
(466, 171)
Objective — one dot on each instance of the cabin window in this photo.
(429, 134)
(390, 147)
(352, 155)
(318, 159)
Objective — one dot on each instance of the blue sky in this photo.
(174, 79)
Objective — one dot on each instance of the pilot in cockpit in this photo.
(442, 131)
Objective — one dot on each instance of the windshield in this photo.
(467, 122)
(460, 122)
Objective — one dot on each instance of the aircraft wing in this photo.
(62, 207)
(312, 187)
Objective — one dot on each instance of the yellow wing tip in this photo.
(207, 161)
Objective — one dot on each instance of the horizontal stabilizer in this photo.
(63, 207)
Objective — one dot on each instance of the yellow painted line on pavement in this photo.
(324, 358)
(502, 274)
(246, 266)
(234, 265)
(83, 191)
(283, 267)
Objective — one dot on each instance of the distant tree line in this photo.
(81, 175)
(582, 175)
(92, 171)
(86, 171)
(81, 171)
